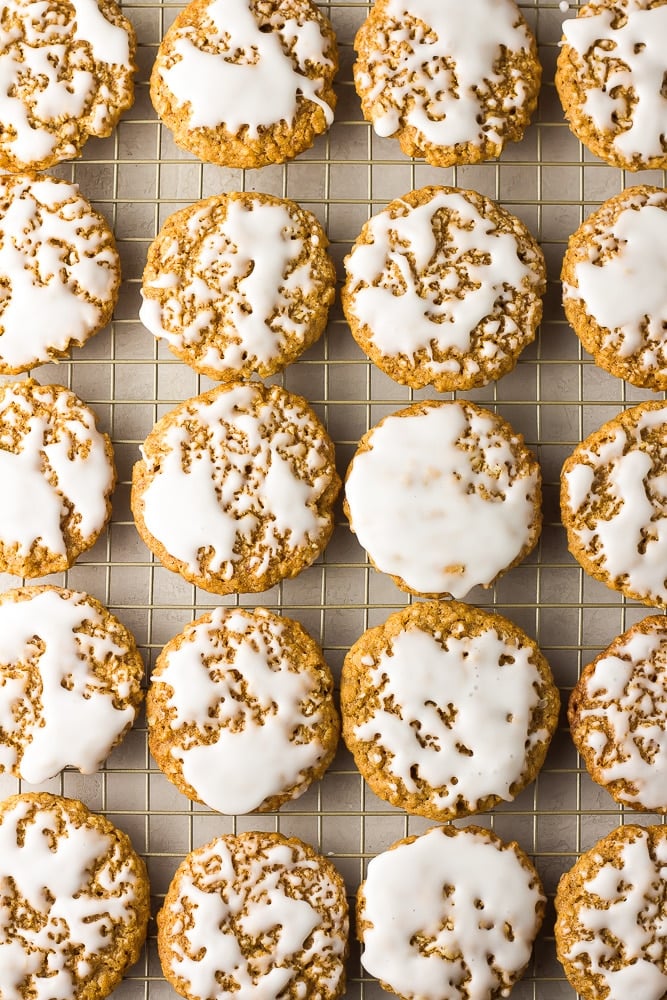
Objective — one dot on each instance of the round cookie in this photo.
(238, 284)
(614, 503)
(70, 682)
(240, 711)
(245, 83)
(444, 496)
(618, 717)
(67, 74)
(447, 710)
(610, 80)
(58, 259)
(452, 85)
(235, 489)
(449, 915)
(611, 913)
(75, 900)
(58, 474)
(444, 287)
(255, 913)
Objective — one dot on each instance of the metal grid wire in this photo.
(555, 397)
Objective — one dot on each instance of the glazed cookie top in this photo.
(249, 702)
(257, 886)
(444, 496)
(618, 716)
(75, 900)
(70, 682)
(236, 487)
(67, 74)
(238, 284)
(444, 286)
(58, 259)
(613, 494)
(449, 915)
(611, 68)
(60, 473)
(611, 916)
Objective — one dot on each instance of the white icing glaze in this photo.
(428, 939)
(242, 281)
(425, 512)
(243, 687)
(244, 485)
(628, 922)
(457, 707)
(59, 885)
(627, 59)
(82, 479)
(415, 296)
(262, 86)
(55, 263)
(76, 722)
(446, 74)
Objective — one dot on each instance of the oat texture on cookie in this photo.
(449, 915)
(245, 83)
(235, 489)
(444, 496)
(452, 83)
(255, 914)
(610, 79)
(58, 474)
(614, 503)
(240, 710)
(75, 900)
(238, 284)
(67, 70)
(444, 287)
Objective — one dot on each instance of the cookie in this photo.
(255, 913)
(70, 682)
(58, 259)
(245, 83)
(74, 901)
(235, 489)
(452, 84)
(240, 711)
(614, 503)
(238, 284)
(611, 913)
(58, 474)
(618, 717)
(447, 710)
(610, 80)
(444, 496)
(449, 915)
(67, 73)
(613, 286)
(444, 288)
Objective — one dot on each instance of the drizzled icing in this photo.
(55, 707)
(423, 932)
(442, 707)
(435, 274)
(440, 500)
(243, 711)
(616, 494)
(58, 265)
(254, 889)
(627, 62)
(245, 77)
(625, 920)
(80, 889)
(446, 76)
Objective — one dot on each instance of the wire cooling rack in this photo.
(554, 397)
